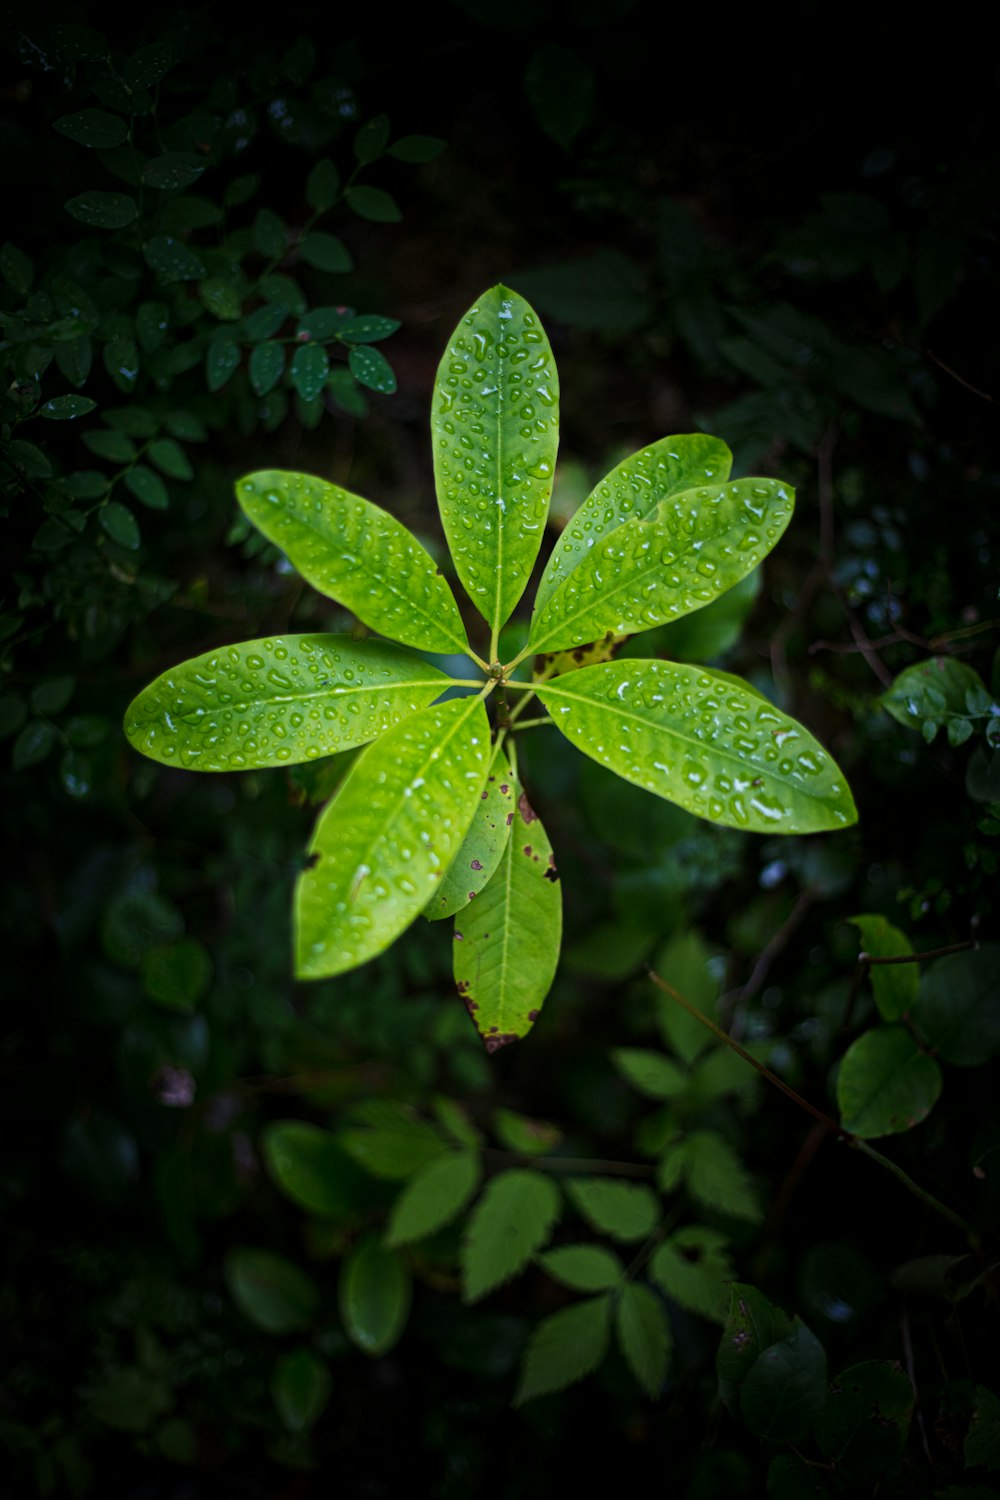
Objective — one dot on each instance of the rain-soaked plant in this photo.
(432, 817)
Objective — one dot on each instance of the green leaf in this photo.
(785, 1391)
(152, 321)
(367, 329)
(346, 393)
(120, 524)
(684, 964)
(512, 1220)
(13, 712)
(16, 268)
(222, 358)
(301, 1387)
(177, 975)
(706, 633)
(564, 1348)
(80, 43)
(186, 426)
(326, 252)
(584, 1268)
(371, 140)
(74, 359)
(29, 459)
(678, 558)
(375, 1292)
(267, 365)
(121, 360)
(357, 554)
(958, 1011)
(324, 323)
(864, 1425)
(506, 947)
(693, 1268)
(285, 292)
(264, 322)
(753, 1325)
(625, 1210)
(103, 210)
(560, 88)
(495, 429)
(643, 1336)
(633, 491)
(526, 1136)
(895, 985)
(94, 128)
(371, 368)
(116, 447)
(270, 234)
(484, 844)
(650, 1072)
(389, 835)
(278, 701)
(931, 690)
(322, 186)
(373, 203)
(885, 1084)
(221, 297)
(66, 408)
(147, 487)
(170, 459)
(309, 1166)
(417, 148)
(703, 740)
(172, 259)
(32, 745)
(399, 1145)
(455, 1119)
(435, 1196)
(270, 1290)
(982, 1444)
(173, 170)
(310, 367)
(148, 65)
(184, 211)
(713, 1172)
(241, 190)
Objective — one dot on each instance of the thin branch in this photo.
(985, 395)
(919, 958)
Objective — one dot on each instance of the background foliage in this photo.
(252, 1226)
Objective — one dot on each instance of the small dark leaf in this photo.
(147, 66)
(326, 252)
(94, 128)
(371, 368)
(310, 367)
(267, 364)
(417, 148)
(147, 487)
(372, 139)
(32, 744)
(221, 360)
(173, 170)
(322, 186)
(172, 259)
(375, 204)
(270, 234)
(367, 329)
(103, 210)
(65, 408)
(120, 524)
(170, 459)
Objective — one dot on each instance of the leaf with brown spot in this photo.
(484, 843)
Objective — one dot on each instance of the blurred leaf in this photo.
(371, 140)
(170, 459)
(310, 367)
(173, 170)
(325, 251)
(221, 298)
(584, 1268)
(267, 365)
(301, 1387)
(66, 408)
(94, 128)
(135, 921)
(148, 65)
(270, 1290)
(604, 292)
(958, 1009)
(525, 1136)
(177, 975)
(864, 1424)
(32, 745)
(147, 487)
(417, 148)
(564, 1348)
(930, 690)
(886, 1084)
(116, 447)
(375, 1291)
(120, 524)
(785, 1390)
(373, 203)
(322, 186)
(982, 1444)
(753, 1325)
(221, 361)
(270, 234)
(713, 1173)
(311, 1168)
(625, 1210)
(52, 696)
(103, 210)
(652, 1074)
(399, 1147)
(559, 84)
(895, 985)
(16, 268)
(643, 1336)
(512, 1221)
(172, 259)
(433, 1197)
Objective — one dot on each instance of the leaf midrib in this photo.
(308, 697)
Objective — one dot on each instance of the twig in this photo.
(869, 959)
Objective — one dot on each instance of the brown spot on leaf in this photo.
(458, 937)
(472, 895)
(510, 819)
(524, 807)
(312, 861)
(476, 864)
(551, 873)
(462, 985)
(692, 1253)
(504, 787)
(494, 1043)
(533, 1015)
(527, 850)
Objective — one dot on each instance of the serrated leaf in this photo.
(389, 835)
(785, 1390)
(625, 1210)
(633, 491)
(273, 1292)
(278, 701)
(434, 1197)
(521, 1133)
(564, 1348)
(649, 1072)
(357, 554)
(367, 329)
(120, 524)
(484, 844)
(511, 1222)
(147, 487)
(172, 259)
(103, 210)
(373, 203)
(885, 1083)
(693, 1268)
(417, 148)
(455, 1119)
(753, 1325)
(375, 1291)
(399, 1144)
(322, 186)
(958, 1009)
(713, 1172)
(895, 986)
(170, 458)
(309, 1166)
(495, 430)
(301, 1387)
(704, 741)
(506, 947)
(684, 964)
(326, 252)
(678, 558)
(371, 368)
(310, 367)
(94, 128)
(643, 1336)
(584, 1268)
(267, 365)
(66, 408)
(173, 170)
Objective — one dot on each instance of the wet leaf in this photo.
(367, 329)
(886, 1084)
(270, 1290)
(120, 524)
(94, 128)
(301, 1387)
(436, 1195)
(704, 741)
(357, 554)
(894, 985)
(310, 367)
(564, 1348)
(67, 408)
(278, 701)
(375, 1292)
(511, 1222)
(495, 429)
(148, 65)
(643, 1336)
(506, 946)
(584, 1268)
(221, 361)
(103, 210)
(389, 835)
(173, 170)
(371, 368)
(929, 691)
(267, 365)
(484, 844)
(172, 259)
